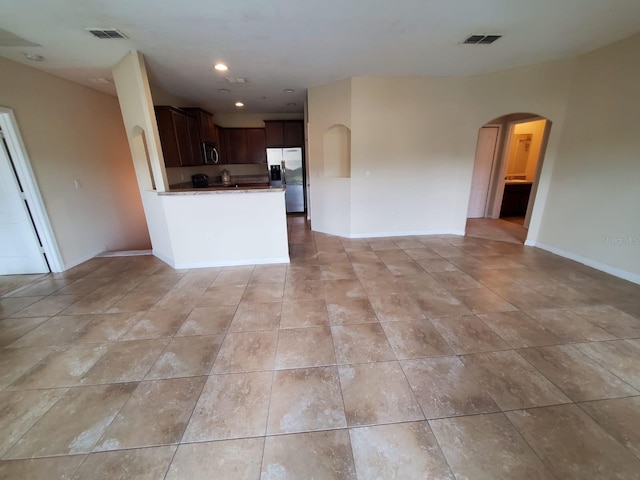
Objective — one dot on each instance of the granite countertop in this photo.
(222, 190)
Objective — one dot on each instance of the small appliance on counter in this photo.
(225, 176)
(200, 180)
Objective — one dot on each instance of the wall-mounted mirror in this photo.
(519, 154)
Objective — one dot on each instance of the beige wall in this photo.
(330, 197)
(413, 142)
(594, 197)
(72, 132)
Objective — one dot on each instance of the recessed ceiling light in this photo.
(33, 57)
(239, 104)
(221, 67)
(288, 90)
(291, 104)
(224, 90)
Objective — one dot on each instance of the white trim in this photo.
(124, 253)
(21, 162)
(411, 233)
(223, 263)
(617, 272)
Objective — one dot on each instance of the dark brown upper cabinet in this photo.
(284, 133)
(179, 137)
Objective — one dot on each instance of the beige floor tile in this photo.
(221, 295)
(256, 316)
(569, 326)
(20, 410)
(207, 320)
(524, 297)
(435, 265)
(37, 287)
(231, 406)
(421, 252)
(408, 451)
(141, 464)
(361, 343)
(377, 393)
(60, 330)
(11, 305)
(511, 381)
(572, 445)
(125, 362)
(317, 455)
(268, 274)
(156, 324)
(487, 447)
(622, 357)
(620, 417)
(304, 313)
(11, 329)
(234, 276)
(232, 459)
(297, 274)
(247, 351)
(41, 468)
(337, 271)
(156, 414)
(100, 301)
(483, 300)
(611, 319)
(396, 307)
(350, 311)
(339, 257)
(440, 303)
(75, 423)
(456, 280)
(305, 347)
(263, 293)
(349, 289)
(47, 307)
(444, 387)
(577, 375)
(519, 330)
(417, 339)
(15, 362)
(468, 334)
(138, 301)
(563, 295)
(303, 290)
(65, 367)
(187, 357)
(305, 399)
(107, 327)
(83, 286)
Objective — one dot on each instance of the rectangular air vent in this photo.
(481, 39)
(236, 80)
(106, 33)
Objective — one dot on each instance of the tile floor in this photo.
(415, 357)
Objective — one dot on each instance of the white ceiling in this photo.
(278, 44)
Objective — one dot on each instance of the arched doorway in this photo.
(509, 157)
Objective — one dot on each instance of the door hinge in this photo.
(42, 249)
(23, 196)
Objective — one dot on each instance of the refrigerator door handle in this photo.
(284, 176)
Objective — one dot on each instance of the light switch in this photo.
(78, 184)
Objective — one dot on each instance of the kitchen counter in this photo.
(215, 189)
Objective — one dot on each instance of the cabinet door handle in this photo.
(214, 156)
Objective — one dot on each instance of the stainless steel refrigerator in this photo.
(292, 171)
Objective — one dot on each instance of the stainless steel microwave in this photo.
(210, 153)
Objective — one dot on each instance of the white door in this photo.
(485, 152)
(19, 246)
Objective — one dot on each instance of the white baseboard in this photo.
(412, 233)
(616, 272)
(231, 263)
(125, 253)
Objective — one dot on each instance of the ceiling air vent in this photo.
(481, 39)
(108, 33)
(236, 80)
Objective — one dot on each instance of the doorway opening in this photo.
(509, 157)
